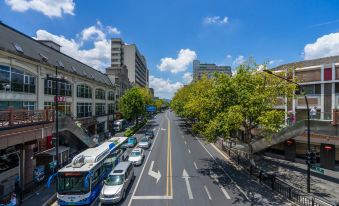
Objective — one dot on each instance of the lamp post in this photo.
(308, 126)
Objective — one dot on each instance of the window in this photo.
(115, 60)
(110, 108)
(63, 107)
(99, 109)
(84, 91)
(100, 94)
(29, 105)
(43, 57)
(65, 88)
(312, 89)
(84, 110)
(110, 95)
(115, 54)
(115, 49)
(16, 80)
(18, 48)
(73, 68)
(60, 64)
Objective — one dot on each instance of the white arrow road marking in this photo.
(208, 193)
(163, 129)
(156, 175)
(189, 190)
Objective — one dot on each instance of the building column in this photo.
(74, 98)
(322, 96)
(334, 105)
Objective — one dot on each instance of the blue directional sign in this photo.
(151, 108)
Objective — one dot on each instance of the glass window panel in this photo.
(17, 82)
(5, 68)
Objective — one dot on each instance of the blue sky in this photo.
(172, 33)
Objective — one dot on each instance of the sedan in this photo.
(137, 156)
(131, 142)
(145, 143)
(149, 134)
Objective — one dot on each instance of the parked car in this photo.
(131, 142)
(145, 143)
(149, 133)
(116, 184)
(137, 156)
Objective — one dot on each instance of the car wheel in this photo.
(124, 195)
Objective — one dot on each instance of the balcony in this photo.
(18, 118)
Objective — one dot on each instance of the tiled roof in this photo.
(32, 49)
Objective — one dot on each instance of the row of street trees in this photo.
(133, 103)
(219, 106)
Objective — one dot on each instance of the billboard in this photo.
(151, 108)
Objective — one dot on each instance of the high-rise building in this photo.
(208, 69)
(129, 55)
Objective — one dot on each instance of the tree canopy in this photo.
(224, 104)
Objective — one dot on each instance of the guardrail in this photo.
(270, 180)
(11, 118)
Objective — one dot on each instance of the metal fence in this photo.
(270, 180)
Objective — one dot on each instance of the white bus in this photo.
(80, 182)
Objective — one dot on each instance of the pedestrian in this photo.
(13, 201)
(313, 112)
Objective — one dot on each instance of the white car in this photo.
(137, 156)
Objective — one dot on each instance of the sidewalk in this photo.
(323, 185)
(40, 196)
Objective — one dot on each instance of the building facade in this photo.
(27, 102)
(135, 62)
(319, 79)
(200, 69)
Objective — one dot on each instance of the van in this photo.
(116, 184)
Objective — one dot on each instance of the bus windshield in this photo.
(72, 183)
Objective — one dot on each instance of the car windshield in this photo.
(114, 180)
(145, 139)
(135, 153)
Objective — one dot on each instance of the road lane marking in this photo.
(185, 142)
(215, 177)
(188, 186)
(225, 193)
(169, 180)
(208, 193)
(189, 151)
(143, 168)
(152, 197)
(195, 165)
(156, 175)
(237, 186)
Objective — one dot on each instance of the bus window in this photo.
(72, 183)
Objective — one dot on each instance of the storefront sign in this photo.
(61, 99)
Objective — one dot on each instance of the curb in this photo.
(50, 200)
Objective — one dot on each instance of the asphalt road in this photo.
(180, 169)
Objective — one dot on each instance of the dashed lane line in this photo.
(195, 165)
(208, 193)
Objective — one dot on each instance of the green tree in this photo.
(132, 104)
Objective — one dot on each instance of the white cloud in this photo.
(229, 56)
(275, 62)
(50, 8)
(98, 56)
(113, 30)
(216, 20)
(239, 60)
(188, 77)
(324, 46)
(180, 64)
(164, 88)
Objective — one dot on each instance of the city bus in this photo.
(80, 182)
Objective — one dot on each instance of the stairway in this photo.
(68, 125)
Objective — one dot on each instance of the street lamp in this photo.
(308, 126)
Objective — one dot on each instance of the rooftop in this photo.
(15, 42)
(308, 63)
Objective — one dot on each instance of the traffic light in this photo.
(311, 157)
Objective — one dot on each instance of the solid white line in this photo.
(225, 193)
(195, 165)
(223, 170)
(152, 197)
(189, 151)
(185, 142)
(143, 168)
(208, 193)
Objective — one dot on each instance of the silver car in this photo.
(116, 184)
(137, 156)
(145, 143)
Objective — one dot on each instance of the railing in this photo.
(270, 180)
(11, 118)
